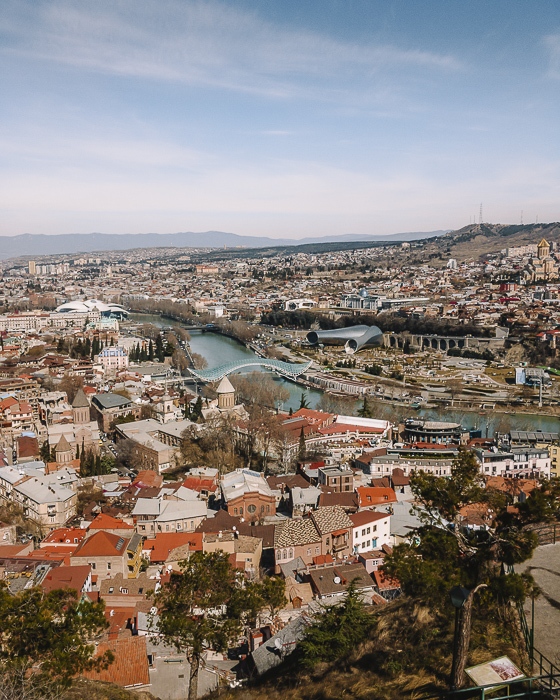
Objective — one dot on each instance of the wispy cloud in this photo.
(200, 43)
(552, 43)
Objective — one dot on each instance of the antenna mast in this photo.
(480, 214)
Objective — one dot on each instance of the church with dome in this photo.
(542, 267)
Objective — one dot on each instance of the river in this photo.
(218, 349)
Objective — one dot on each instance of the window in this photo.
(235, 511)
(309, 552)
(363, 532)
(92, 564)
(241, 511)
(368, 530)
(251, 508)
(262, 509)
(124, 590)
(111, 589)
(316, 550)
(268, 509)
(327, 541)
(108, 566)
(374, 529)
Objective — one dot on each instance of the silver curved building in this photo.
(353, 338)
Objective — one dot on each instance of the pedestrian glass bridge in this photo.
(286, 369)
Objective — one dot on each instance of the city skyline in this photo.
(282, 120)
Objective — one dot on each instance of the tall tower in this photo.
(226, 394)
(32, 267)
(80, 408)
(543, 249)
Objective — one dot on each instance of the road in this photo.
(545, 569)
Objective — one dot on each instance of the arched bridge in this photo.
(286, 369)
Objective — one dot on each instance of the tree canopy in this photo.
(205, 606)
(445, 552)
(45, 640)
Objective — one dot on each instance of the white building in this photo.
(113, 358)
(519, 463)
(371, 530)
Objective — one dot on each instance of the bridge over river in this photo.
(285, 369)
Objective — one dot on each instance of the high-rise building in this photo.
(32, 267)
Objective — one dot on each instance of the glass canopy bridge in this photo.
(285, 369)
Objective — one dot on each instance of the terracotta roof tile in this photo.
(107, 522)
(102, 544)
(130, 666)
(66, 577)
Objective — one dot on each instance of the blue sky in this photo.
(277, 117)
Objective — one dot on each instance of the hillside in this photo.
(477, 240)
(408, 655)
(72, 243)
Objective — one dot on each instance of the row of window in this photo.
(365, 531)
(251, 508)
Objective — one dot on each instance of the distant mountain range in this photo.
(73, 243)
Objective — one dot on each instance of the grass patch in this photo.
(408, 654)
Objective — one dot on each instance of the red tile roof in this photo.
(13, 550)
(107, 522)
(375, 496)
(148, 478)
(384, 582)
(165, 542)
(64, 536)
(130, 666)
(66, 577)
(198, 483)
(323, 559)
(366, 516)
(102, 544)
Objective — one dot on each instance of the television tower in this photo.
(480, 214)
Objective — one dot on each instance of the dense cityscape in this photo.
(131, 445)
(279, 350)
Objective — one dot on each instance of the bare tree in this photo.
(258, 388)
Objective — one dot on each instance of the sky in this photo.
(281, 118)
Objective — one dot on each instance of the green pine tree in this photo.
(159, 351)
(301, 446)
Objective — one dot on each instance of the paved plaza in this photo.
(545, 569)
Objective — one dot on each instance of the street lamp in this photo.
(459, 596)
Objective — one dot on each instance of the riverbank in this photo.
(218, 349)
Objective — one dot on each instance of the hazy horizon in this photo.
(292, 120)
